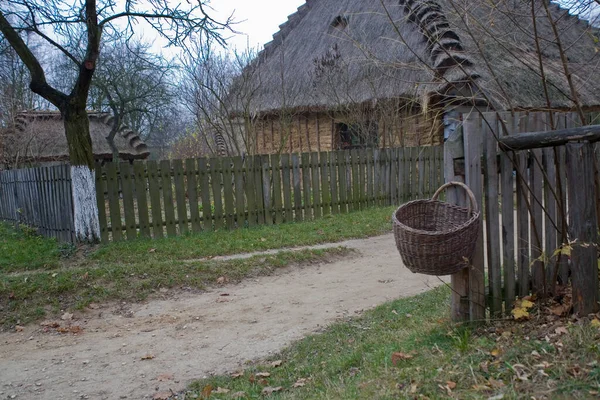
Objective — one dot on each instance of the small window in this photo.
(358, 136)
(341, 21)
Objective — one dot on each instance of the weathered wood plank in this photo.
(277, 200)
(288, 215)
(492, 221)
(191, 171)
(154, 190)
(297, 183)
(267, 190)
(128, 203)
(240, 199)
(306, 186)
(178, 179)
(370, 178)
(550, 222)
(216, 167)
(258, 189)
(228, 184)
(333, 174)
(508, 220)
(141, 194)
(583, 227)
(342, 166)
(325, 188)
(101, 203)
(207, 218)
(167, 191)
(315, 166)
(473, 151)
(112, 184)
(250, 192)
(356, 192)
(536, 140)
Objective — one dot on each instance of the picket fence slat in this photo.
(182, 215)
(140, 179)
(228, 182)
(192, 194)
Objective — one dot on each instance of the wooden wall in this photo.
(318, 131)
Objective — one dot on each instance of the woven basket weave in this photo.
(434, 237)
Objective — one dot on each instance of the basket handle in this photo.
(473, 202)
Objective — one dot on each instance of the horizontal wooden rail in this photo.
(536, 140)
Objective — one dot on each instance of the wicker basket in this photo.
(434, 237)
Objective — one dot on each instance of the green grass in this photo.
(37, 280)
(27, 297)
(21, 250)
(369, 222)
(353, 359)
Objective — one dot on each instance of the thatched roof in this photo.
(334, 52)
(40, 136)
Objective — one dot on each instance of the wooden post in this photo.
(473, 151)
(583, 227)
(454, 152)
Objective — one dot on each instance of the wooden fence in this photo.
(40, 198)
(151, 199)
(520, 193)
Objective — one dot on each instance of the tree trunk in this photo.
(77, 129)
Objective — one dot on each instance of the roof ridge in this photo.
(285, 28)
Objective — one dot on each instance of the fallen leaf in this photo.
(481, 388)
(520, 313)
(561, 330)
(595, 323)
(67, 316)
(221, 280)
(148, 357)
(164, 377)
(263, 382)
(11, 296)
(560, 309)
(221, 390)
(222, 300)
(237, 395)
(251, 378)
(496, 384)
(162, 396)
(276, 363)
(413, 388)
(263, 239)
(19, 328)
(399, 356)
(152, 251)
(497, 397)
(50, 324)
(496, 353)
(269, 390)
(451, 384)
(300, 382)
(237, 374)
(224, 294)
(206, 392)
(263, 374)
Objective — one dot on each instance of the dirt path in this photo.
(191, 336)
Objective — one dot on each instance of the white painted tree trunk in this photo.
(87, 225)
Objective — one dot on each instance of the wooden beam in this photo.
(536, 140)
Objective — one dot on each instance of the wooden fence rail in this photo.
(154, 199)
(40, 198)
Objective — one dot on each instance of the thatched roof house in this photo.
(39, 138)
(393, 68)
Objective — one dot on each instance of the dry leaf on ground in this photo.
(206, 391)
(148, 357)
(238, 395)
(221, 390)
(162, 396)
(164, 377)
(300, 382)
(399, 356)
(269, 390)
(263, 374)
(276, 363)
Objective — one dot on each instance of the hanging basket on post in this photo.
(435, 237)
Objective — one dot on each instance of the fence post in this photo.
(583, 227)
(454, 156)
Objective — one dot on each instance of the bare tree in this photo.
(218, 89)
(59, 23)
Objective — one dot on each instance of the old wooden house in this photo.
(352, 73)
(38, 138)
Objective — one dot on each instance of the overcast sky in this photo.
(259, 19)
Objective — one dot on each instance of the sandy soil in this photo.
(189, 336)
